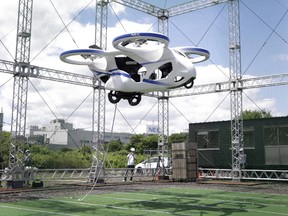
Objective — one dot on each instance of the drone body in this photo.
(141, 63)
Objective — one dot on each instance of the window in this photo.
(276, 136)
(208, 139)
(283, 135)
(161, 72)
(270, 136)
(249, 138)
(276, 145)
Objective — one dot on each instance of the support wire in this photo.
(66, 27)
(104, 158)
(60, 32)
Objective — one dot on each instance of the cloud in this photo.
(53, 99)
(117, 8)
(281, 57)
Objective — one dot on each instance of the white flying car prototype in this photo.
(141, 63)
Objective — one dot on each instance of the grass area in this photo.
(168, 201)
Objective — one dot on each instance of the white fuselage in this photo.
(135, 72)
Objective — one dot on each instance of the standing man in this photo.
(130, 164)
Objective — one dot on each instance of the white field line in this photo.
(199, 206)
(35, 210)
(115, 207)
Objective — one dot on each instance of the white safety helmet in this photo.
(132, 149)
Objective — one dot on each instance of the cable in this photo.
(165, 3)
(112, 135)
(144, 116)
(43, 99)
(126, 120)
(122, 23)
(60, 32)
(64, 23)
(265, 42)
(182, 33)
(151, 27)
(195, 46)
(179, 111)
(78, 106)
(7, 50)
(217, 107)
(254, 103)
(117, 18)
(6, 46)
(104, 158)
(273, 30)
(6, 82)
(212, 23)
(55, 114)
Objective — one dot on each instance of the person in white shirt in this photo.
(130, 164)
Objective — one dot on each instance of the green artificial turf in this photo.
(169, 201)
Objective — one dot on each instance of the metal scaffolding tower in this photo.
(235, 92)
(163, 102)
(20, 89)
(99, 98)
(22, 71)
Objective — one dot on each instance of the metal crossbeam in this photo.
(247, 174)
(47, 74)
(140, 6)
(22, 70)
(85, 80)
(248, 83)
(172, 11)
(204, 173)
(192, 6)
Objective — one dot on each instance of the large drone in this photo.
(141, 63)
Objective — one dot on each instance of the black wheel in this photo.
(134, 100)
(189, 84)
(114, 97)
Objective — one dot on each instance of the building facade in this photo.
(60, 134)
(265, 143)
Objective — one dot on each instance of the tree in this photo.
(143, 142)
(254, 114)
(114, 145)
(178, 138)
(4, 148)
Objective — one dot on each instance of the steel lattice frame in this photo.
(163, 125)
(163, 99)
(99, 98)
(20, 88)
(235, 93)
(22, 70)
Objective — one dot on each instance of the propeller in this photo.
(195, 54)
(83, 56)
(140, 41)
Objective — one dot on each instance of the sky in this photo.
(264, 51)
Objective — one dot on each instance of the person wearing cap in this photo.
(130, 164)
